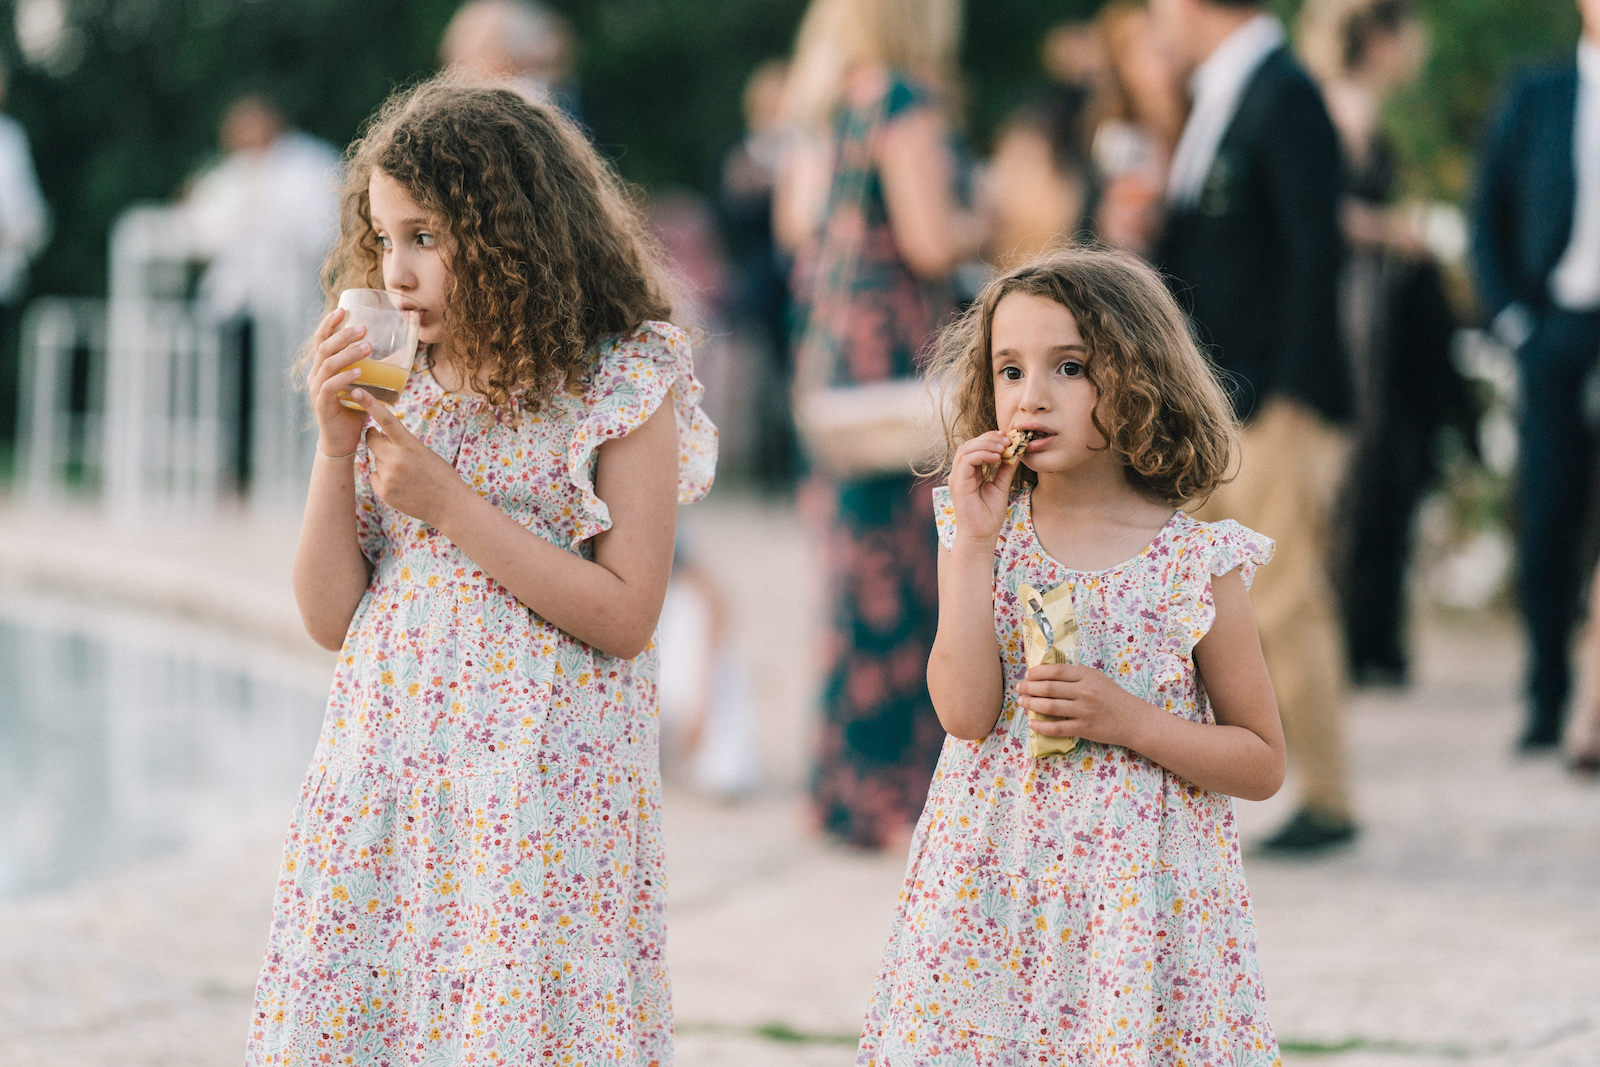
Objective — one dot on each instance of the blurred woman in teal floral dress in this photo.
(868, 203)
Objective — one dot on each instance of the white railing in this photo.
(157, 432)
(59, 442)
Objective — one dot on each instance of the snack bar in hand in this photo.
(1049, 635)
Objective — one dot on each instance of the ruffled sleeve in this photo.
(944, 516)
(1217, 548)
(633, 375)
(1235, 547)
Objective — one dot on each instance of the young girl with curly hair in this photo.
(1088, 906)
(474, 870)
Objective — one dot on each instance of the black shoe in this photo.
(1380, 676)
(1309, 831)
(1539, 740)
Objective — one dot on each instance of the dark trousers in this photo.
(1389, 474)
(1554, 470)
(239, 352)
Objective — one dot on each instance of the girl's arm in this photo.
(611, 602)
(1241, 755)
(965, 676)
(330, 573)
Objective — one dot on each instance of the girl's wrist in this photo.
(974, 545)
(336, 454)
(1138, 723)
(454, 505)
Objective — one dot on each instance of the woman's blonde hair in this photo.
(1161, 407)
(547, 253)
(838, 36)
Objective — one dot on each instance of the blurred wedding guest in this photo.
(1037, 183)
(521, 42)
(1136, 117)
(262, 218)
(1536, 256)
(1252, 246)
(1074, 59)
(1398, 324)
(24, 228)
(868, 203)
(759, 302)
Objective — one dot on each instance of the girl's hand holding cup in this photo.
(406, 474)
(981, 501)
(337, 349)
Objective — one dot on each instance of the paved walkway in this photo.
(1463, 928)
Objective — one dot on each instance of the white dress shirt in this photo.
(264, 220)
(1575, 283)
(24, 221)
(1216, 86)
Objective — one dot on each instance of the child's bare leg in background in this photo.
(1583, 732)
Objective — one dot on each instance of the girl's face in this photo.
(413, 260)
(1038, 358)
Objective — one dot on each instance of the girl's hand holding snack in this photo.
(406, 474)
(1080, 702)
(981, 502)
(333, 368)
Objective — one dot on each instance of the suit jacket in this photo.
(1256, 260)
(1527, 184)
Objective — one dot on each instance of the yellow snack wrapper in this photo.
(1049, 635)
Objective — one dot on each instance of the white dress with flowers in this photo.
(1087, 909)
(474, 869)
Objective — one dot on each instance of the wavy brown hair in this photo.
(1161, 406)
(547, 252)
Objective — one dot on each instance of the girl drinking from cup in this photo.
(1086, 906)
(473, 871)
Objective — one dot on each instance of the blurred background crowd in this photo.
(830, 180)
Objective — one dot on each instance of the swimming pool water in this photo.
(124, 736)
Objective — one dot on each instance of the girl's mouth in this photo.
(1041, 439)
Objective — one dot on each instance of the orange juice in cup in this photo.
(392, 332)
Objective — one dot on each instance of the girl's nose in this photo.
(1034, 396)
(396, 275)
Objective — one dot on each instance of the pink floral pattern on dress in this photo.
(474, 871)
(1090, 908)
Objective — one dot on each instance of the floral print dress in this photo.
(865, 318)
(1089, 908)
(474, 869)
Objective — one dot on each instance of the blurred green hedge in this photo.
(136, 113)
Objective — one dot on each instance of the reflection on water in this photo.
(123, 736)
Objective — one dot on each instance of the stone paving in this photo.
(1462, 928)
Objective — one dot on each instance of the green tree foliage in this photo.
(136, 114)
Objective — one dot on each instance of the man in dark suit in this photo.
(1536, 255)
(1252, 246)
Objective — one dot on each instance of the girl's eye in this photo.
(1071, 369)
(1011, 374)
(424, 240)
(383, 243)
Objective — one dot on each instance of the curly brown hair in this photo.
(1161, 405)
(546, 250)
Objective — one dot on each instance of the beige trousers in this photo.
(1292, 464)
